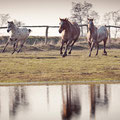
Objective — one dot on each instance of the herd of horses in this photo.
(70, 34)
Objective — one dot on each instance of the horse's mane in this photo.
(69, 22)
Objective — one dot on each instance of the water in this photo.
(60, 102)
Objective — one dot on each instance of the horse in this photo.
(17, 35)
(70, 34)
(95, 36)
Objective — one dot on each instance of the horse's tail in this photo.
(29, 30)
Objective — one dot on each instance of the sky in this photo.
(47, 12)
(36, 12)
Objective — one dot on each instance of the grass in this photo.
(48, 65)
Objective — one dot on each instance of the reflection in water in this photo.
(66, 102)
(71, 102)
(98, 97)
(47, 94)
(10, 99)
(17, 97)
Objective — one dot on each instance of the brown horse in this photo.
(95, 36)
(70, 33)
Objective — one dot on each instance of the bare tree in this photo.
(116, 20)
(81, 11)
(86, 11)
(77, 12)
(107, 17)
(18, 23)
(94, 14)
(112, 17)
(3, 19)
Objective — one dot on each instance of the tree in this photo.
(107, 17)
(80, 13)
(116, 20)
(113, 17)
(86, 11)
(18, 23)
(94, 14)
(116, 17)
(3, 19)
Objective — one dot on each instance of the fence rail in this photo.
(47, 28)
(81, 26)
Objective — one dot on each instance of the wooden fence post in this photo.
(109, 34)
(82, 31)
(87, 29)
(46, 35)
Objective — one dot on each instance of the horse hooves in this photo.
(69, 53)
(3, 51)
(105, 54)
(18, 51)
(64, 55)
(61, 53)
(13, 52)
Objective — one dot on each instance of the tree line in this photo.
(80, 12)
(5, 17)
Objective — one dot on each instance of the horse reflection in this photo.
(71, 104)
(98, 98)
(17, 97)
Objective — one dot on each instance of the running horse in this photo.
(95, 36)
(17, 35)
(70, 34)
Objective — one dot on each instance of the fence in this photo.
(109, 30)
(81, 26)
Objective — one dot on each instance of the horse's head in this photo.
(90, 24)
(10, 26)
(63, 24)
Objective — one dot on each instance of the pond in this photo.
(60, 102)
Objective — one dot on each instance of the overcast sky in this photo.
(47, 12)
(35, 12)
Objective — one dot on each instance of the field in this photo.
(44, 64)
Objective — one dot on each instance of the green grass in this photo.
(50, 66)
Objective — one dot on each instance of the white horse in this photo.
(17, 35)
(95, 36)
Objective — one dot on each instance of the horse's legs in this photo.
(105, 53)
(65, 53)
(89, 43)
(21, 45)
(61, 48)
(6, 45)
(15, 46)
(97, 48)
(72, 46)
(91, 49)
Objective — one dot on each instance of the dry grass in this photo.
(45, 64)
